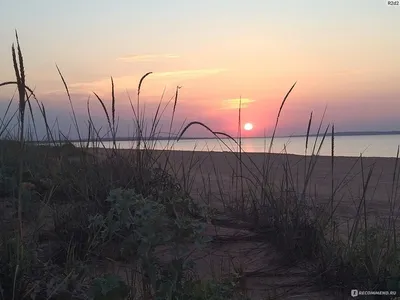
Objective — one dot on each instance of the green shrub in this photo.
(141, 224)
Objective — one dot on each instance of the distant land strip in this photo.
(161, 138)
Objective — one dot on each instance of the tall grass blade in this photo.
(71, 105)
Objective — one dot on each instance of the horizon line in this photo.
(161, 138)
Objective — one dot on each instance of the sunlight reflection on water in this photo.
(368, 145)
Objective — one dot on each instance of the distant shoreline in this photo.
(344, 133)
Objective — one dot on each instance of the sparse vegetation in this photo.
(71, 214)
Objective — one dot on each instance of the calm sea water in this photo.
(368, 145)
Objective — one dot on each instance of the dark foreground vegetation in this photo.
(72, 214)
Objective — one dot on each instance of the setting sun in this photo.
(248, 126)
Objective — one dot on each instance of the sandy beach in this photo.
(212, 176)
(347, 176)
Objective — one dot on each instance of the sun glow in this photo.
(248, 126)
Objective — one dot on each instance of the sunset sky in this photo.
(344, 55)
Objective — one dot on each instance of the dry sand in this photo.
(218, 169)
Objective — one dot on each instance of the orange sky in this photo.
(342, 55)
